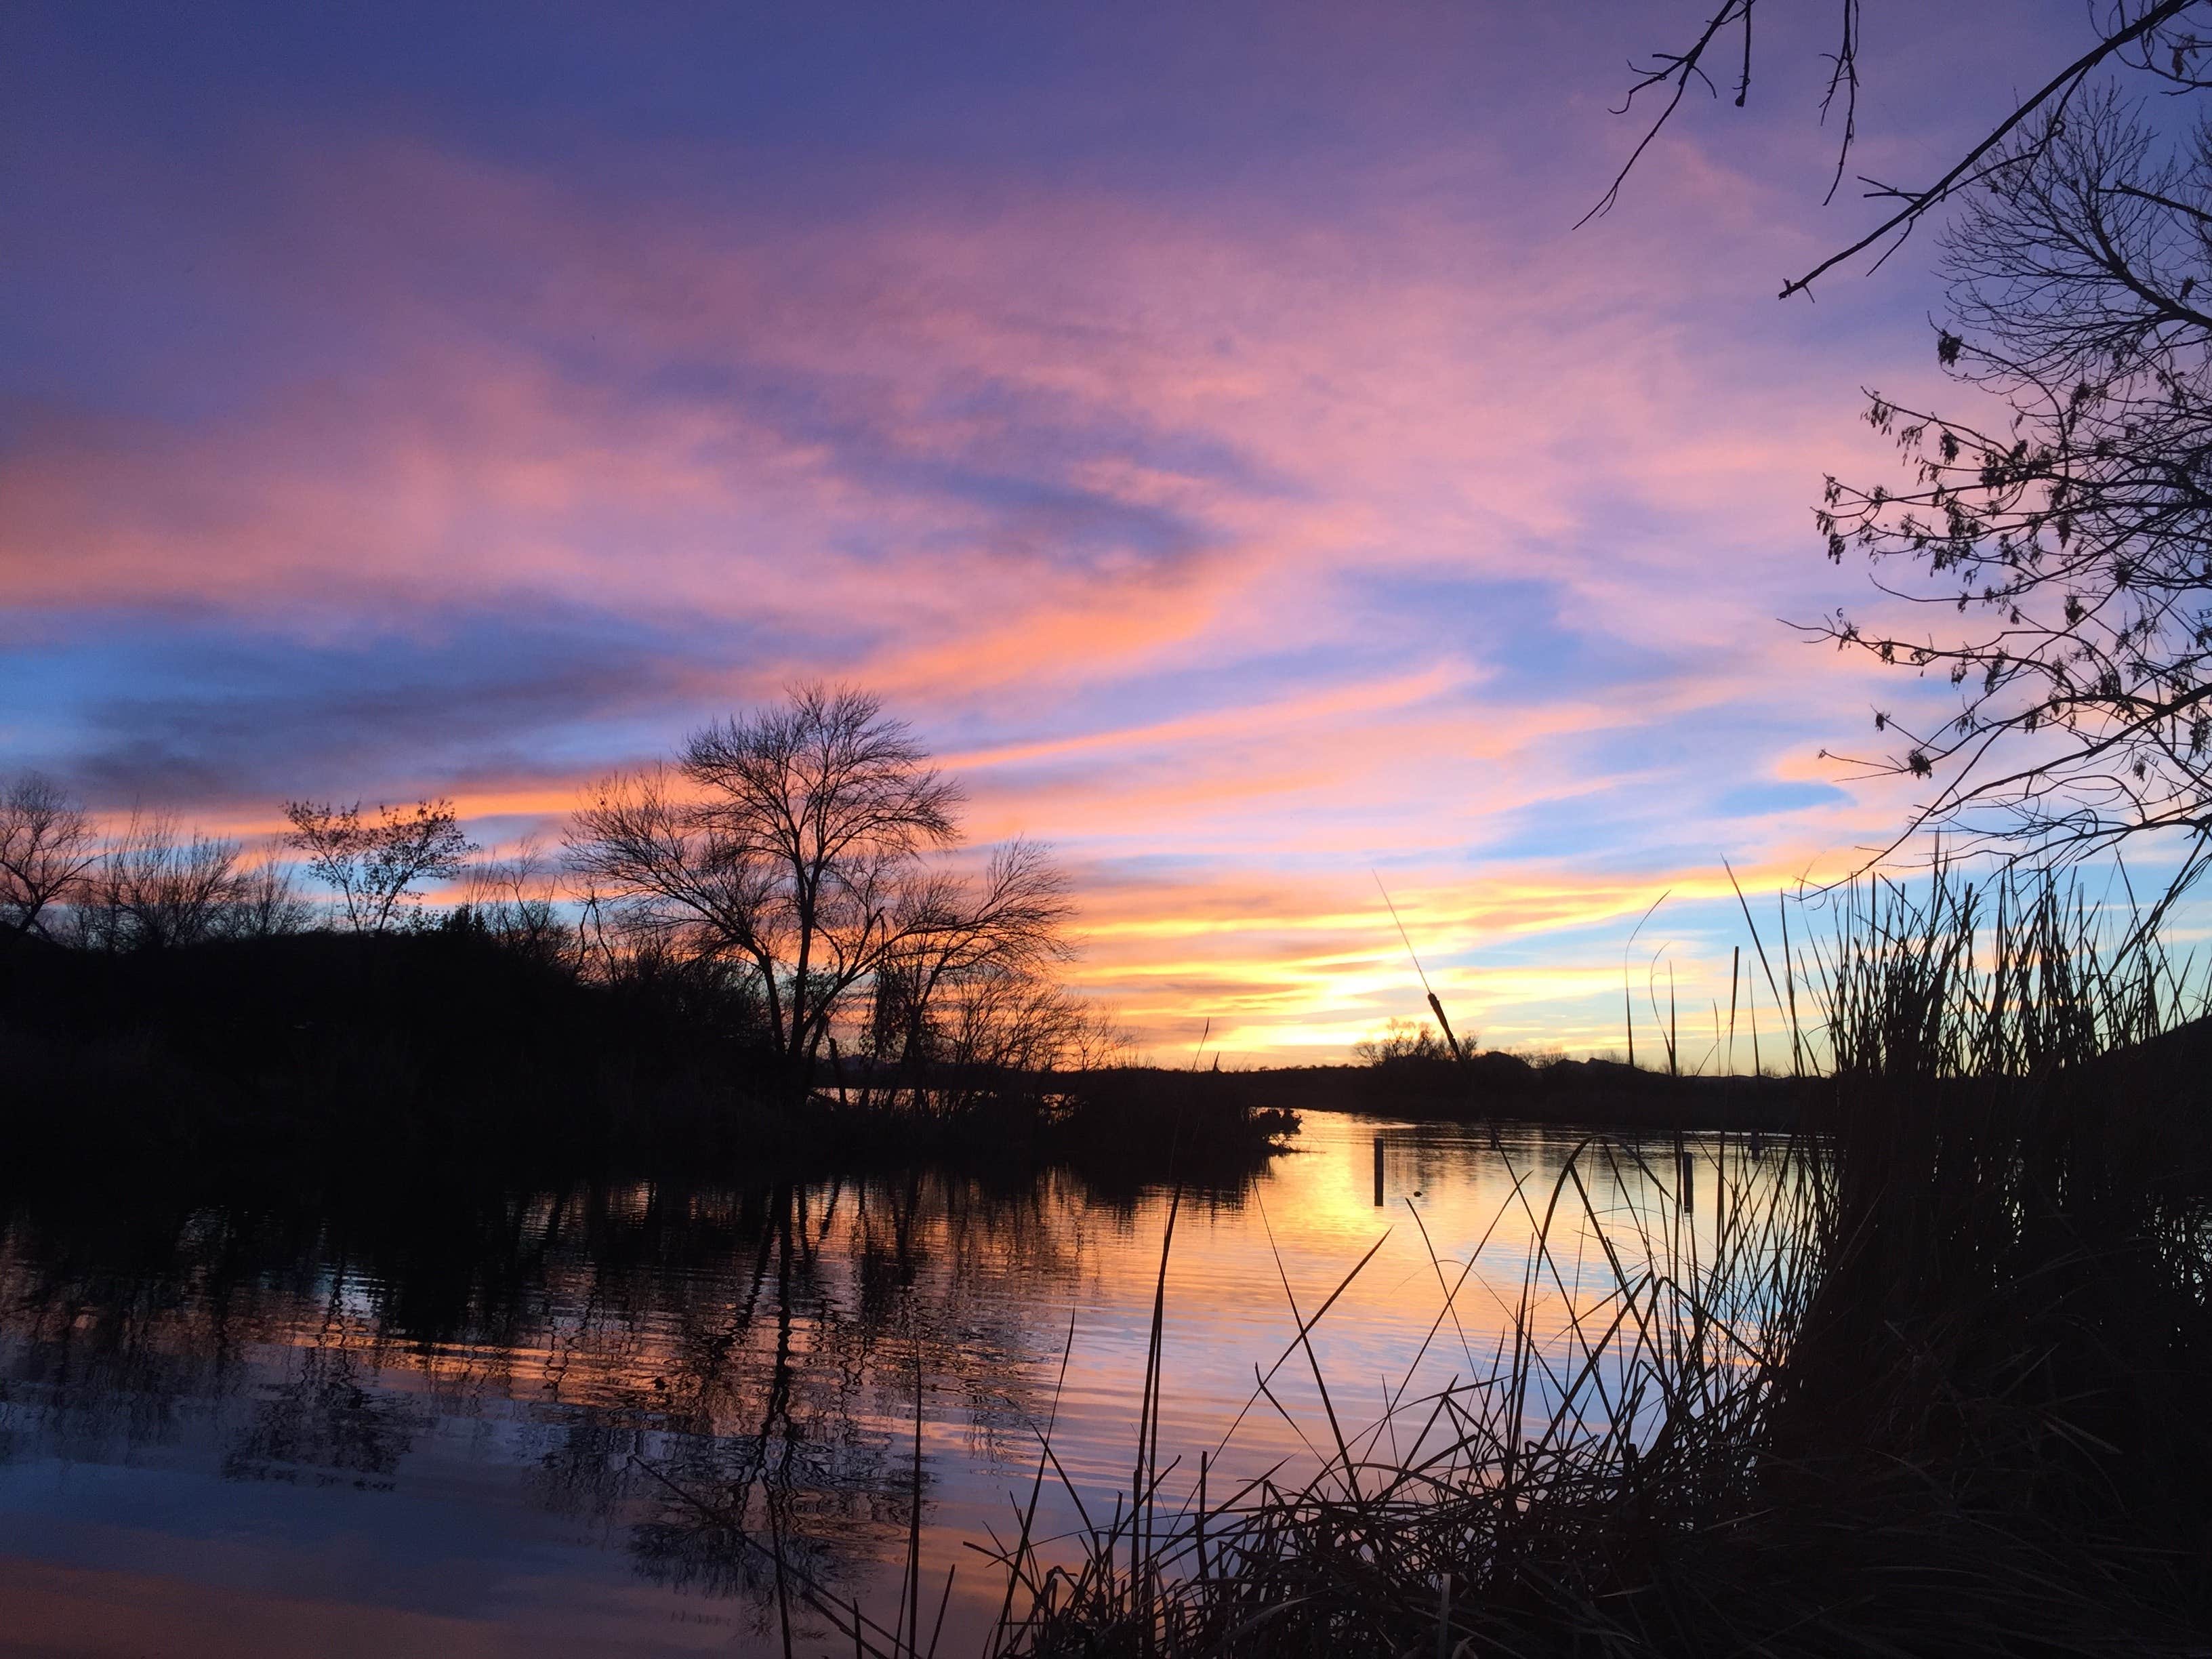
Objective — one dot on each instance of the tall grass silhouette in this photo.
(1932, 1381)
(1927, 1377)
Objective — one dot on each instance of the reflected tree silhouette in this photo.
(326, 1421)
(720, 1377)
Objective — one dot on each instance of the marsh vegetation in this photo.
(1933, 1385)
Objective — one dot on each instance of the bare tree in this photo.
(516, 901)
(1008, 1020)
(157, 887)
(832, 803)
(375, 867)
(2078, 530)
(958, 937)
(2170, 41)
(46, 847)
(1098, 1041)
(795, 840)
(1401, 1042)
(2073, 524)
(265, 903)
(154, 888)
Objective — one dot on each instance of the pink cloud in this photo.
(1020, 465)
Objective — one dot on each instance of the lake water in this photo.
(524, 1426)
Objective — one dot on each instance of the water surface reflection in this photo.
(630, 1418)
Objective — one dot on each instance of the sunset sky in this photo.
(1204, 422)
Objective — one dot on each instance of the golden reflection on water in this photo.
(561, 1422)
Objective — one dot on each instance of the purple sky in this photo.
(1204, 423)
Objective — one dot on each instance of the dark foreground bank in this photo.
(429, 1048)
(442, 1050)
(1593, 1093)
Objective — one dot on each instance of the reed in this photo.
(1621, 1400)
(2009, 978)
(1928, 1379)
(1925, 1379)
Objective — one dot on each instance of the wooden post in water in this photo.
(1378, 1172)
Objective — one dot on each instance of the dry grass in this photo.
(1929, 1380)
(1933, 1385)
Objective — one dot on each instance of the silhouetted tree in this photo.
(794, 839)
(1401, 1042)
(45, 846)
(2079, 528)
(375, 867)
(265, 902)
(153, 888)
(982, 947)
(2074, 524)
(1008, 1020)
(515, 902)
(1099, 1041)
(2170, 41)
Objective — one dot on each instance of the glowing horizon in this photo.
(1209, 432)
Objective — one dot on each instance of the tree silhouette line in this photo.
(795, 862)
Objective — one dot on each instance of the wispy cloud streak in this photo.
(1240, 513)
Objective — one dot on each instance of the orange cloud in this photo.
(1237, 556)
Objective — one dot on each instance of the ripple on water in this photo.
(528, 1420)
